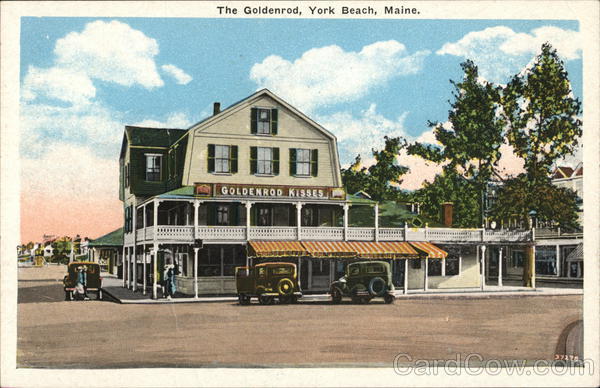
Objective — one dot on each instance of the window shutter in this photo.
(314, 163)
(273, 121)
(234, 159)
(292, 161)
(253, 157)
(212, 214)
(126, 219)
(235, 215)
(253, 120)
(276, 161)
(211, 158)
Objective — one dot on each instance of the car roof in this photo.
(277, 263)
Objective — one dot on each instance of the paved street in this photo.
(101, 334)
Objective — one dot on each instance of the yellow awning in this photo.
(384, 250)
(275, 249)
(429, 249)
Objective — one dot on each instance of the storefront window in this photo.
(210, 262)
(415, 263)
(434, 267)
(545, 261)
(452, 265)
(233, 256)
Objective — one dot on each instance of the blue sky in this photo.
(83, 79)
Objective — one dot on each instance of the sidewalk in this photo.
(113, 287)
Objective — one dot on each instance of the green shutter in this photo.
(253, 120)
(314, 163)
(273, 121)
(292, 161)
(212, 214)
(211, 158)
(253, 162)
(235, 214)
(234, 159)
(276, 161)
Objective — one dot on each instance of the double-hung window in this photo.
(304, 162)
(263, 121)
(223, 215)
(153, 165)
(222, 159)
(264, 160)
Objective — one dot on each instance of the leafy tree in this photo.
(381, 180)
(552, 203)
(470, 150)
(450, 187)
(542, 121)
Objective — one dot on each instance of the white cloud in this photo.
(501, 52)
(329, 75)
(180, 76)
(56, 82)
(358, 135)
(112, 52)
(174, 120)
(70, 170)
(42, 126)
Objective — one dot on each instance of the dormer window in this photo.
(263, 121)
(153, 165)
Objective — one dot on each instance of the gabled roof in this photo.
(112, 239)
(562, 172)
(260, 93)
(150, 137)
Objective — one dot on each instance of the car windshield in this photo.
(375, 269)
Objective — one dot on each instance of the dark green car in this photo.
(268, 281)
(92, 276)
(364, 281)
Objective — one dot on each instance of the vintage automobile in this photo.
(363, 281)
(93, 279)
(266, 282)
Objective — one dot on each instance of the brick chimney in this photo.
(447, 209)
(216, 108)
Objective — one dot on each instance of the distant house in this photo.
(106, 250)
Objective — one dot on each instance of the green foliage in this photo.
(541, 114)
(380, 179)
(552, 203)
(472, 147)
(450, 187)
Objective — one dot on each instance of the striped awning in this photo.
(429, 249)
(329, 248)
(383, 250)
(275, 249)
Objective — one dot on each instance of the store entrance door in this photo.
(320, 274)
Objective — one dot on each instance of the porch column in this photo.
(154, 269)
(533, 267)
(483, 248)
(500, 267)
(299, 220)
(129, 267)
(123, 267)
(346, 207)
(145, 222)
(376, 221)
(425, 285)
(134, 269)
(196, 271)
(196, 207)
(558, 261)
(405, 230)
(248, 205)
(406, 276)
(144, 270)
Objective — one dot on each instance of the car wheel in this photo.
(377, 286)
(336, 295)
(285, 287)
(243, 299)
(265, 299)
(389, 298)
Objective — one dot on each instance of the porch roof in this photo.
(577, 254)
(112, 239)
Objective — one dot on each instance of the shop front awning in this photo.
(329, 249)
(428, 249)
(576, 254)
(275, 249)
(384, 250)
